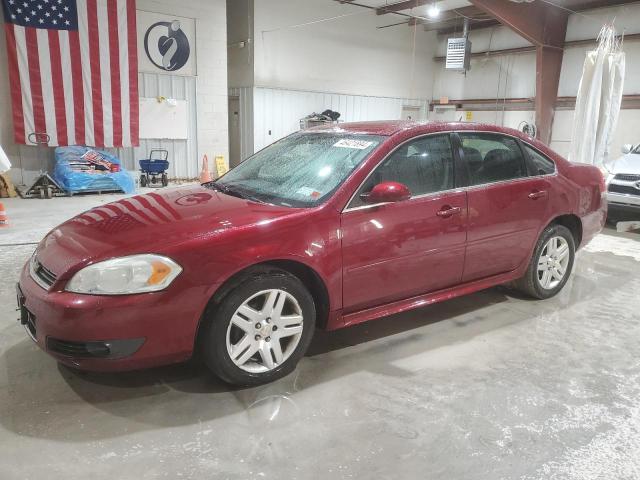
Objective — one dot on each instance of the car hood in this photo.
(148, 224)
(629, 163)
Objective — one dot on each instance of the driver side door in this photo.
(393, 251)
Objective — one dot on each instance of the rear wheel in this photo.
(165, 180)
(143, 180)
(260, 330)
(550, 265)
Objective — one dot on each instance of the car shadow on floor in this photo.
(101, 405)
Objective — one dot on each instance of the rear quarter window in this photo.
(539, 164)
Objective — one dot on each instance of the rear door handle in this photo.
(447, 211)
(536, 194)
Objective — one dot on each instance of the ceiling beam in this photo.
(576, 5)
(469, 11)
(537, 22)
(448, 28)
(406, 5)
(546, 29)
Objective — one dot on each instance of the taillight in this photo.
(603, 182)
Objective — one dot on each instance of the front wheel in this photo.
(260, 330)
(550, 265)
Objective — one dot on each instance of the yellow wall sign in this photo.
(469, 116)
(221, 165)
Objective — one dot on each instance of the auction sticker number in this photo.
(350, 143)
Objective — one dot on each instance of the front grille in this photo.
(43, 275)
(27, 319)
(627, 177)
(626, 189)
(30, 324)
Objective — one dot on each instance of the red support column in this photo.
(548, 66)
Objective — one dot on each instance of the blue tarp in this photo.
(68, 163)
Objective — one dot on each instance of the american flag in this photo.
(73, 68)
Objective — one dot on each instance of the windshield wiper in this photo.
(225, 189)
(229, 190)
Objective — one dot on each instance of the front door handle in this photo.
(536, 194)
(447, 211)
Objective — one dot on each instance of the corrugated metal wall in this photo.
(182, 153)
(277, 112)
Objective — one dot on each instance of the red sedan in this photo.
(325, 228)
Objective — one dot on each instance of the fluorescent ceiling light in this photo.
(433, 10)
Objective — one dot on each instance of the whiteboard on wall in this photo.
(165, 119)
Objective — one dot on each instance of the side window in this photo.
(424, 165)
(492, 158)
(541, 164)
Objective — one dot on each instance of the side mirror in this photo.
(627, 148)
(387, 192)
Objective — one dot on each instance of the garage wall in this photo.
(347, 54)
(513, 76)
(312, 55)
(516, 73)
(183, 154)
(207, 93)
(278, 111)
(6, 122)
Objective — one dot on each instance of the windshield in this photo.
(301, 170)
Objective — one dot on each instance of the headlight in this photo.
(125, 275)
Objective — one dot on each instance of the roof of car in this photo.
(382, 127)
(392, 127)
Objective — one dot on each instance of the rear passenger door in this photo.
(507, 204)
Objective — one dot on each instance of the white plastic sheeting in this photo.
(5, 164)
(598, 101)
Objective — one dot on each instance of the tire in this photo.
(533, 281)
(165, 180)
(251, 337)
(143, 181)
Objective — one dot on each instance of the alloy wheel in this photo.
(264, 331)
(553, 262)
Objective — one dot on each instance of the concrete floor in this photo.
(490, 386)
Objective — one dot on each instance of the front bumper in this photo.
(111, 333)
(623, 200)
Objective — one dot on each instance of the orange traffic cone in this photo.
(205, 176)
(4, 221)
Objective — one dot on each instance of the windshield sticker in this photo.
(308, 192)
(350, 143)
